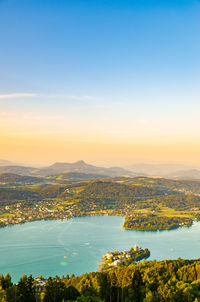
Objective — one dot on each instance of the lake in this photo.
(76, 245)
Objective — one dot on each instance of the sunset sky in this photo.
(110, 82)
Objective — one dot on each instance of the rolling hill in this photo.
(74, 177)
(20, 170)
(10, 178)
(4, 162)
(192, 174)
(157, 169)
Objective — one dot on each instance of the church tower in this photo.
(136, 248)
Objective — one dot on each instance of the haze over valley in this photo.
(173, 171)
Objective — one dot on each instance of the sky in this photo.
(111, 82)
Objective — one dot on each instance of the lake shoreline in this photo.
(96, 215)
(76, 245)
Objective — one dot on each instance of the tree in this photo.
(26, 289)
(54, 290)
(71, 293)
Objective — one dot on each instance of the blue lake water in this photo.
(76, 245)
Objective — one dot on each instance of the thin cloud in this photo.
(52, 95)
(17, 95)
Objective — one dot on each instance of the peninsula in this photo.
(152, 222)
(125, 258)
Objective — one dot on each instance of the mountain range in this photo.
(157, 169)
(192, 174)
(173, 171)
(60, 168)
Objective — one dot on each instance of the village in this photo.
(20, 212)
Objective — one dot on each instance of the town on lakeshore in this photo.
(124, 258)
(147, 203)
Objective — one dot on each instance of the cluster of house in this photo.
(17, 213)
(117, 258)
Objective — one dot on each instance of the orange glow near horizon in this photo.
(44, 150)
(100, 82)
(107, 136)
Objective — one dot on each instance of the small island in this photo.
(125, 258)
(152, 222)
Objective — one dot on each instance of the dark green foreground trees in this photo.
(154, 281)
(24, 291)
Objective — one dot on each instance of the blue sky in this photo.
(134, 63)
(97, 47)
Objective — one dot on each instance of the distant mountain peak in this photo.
(82, 162)
(79, 162)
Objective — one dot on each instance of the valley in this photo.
(74, 194)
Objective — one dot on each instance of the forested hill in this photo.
(70, 177)
(141, 191)
(185, 186)
(130, 191)
(55, 198)
(148, 281)
(151, 222)
(11, 178)
(111, 191)
(8, 196)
